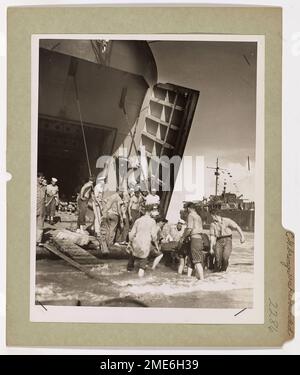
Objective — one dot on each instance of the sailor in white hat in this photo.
(152, 198)
(178, 230)
(52, 199)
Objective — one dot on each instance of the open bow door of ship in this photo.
(166, 127)
(121, 107)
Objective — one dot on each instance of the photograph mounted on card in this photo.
(158, 157)
(152, 169)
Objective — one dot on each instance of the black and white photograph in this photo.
(147, 174)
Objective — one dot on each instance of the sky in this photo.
(225, 118)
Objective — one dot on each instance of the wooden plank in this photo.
(75, 252)
(115, 252)
(72, 262)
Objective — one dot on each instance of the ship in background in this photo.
(111, 88)
(227, 204)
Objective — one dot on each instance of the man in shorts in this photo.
(194, 230)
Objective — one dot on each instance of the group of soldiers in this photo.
(118, 210)
(194, 249)
(132, 219)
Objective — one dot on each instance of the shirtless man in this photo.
(83, 201)
(193, 230)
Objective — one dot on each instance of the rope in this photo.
(83, 133)
(133, 136)
(134, 145)
(82, 127)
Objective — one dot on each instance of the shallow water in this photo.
(58, 283)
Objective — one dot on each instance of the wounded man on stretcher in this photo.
(177, 251)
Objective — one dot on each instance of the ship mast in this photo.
(217, 174)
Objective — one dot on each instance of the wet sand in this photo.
(59, 284)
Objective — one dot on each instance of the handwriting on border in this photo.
(288, 264)
(273, 316)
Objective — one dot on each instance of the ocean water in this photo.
(59, 284)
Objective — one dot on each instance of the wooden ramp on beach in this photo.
(72, 262)
(75, 252)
